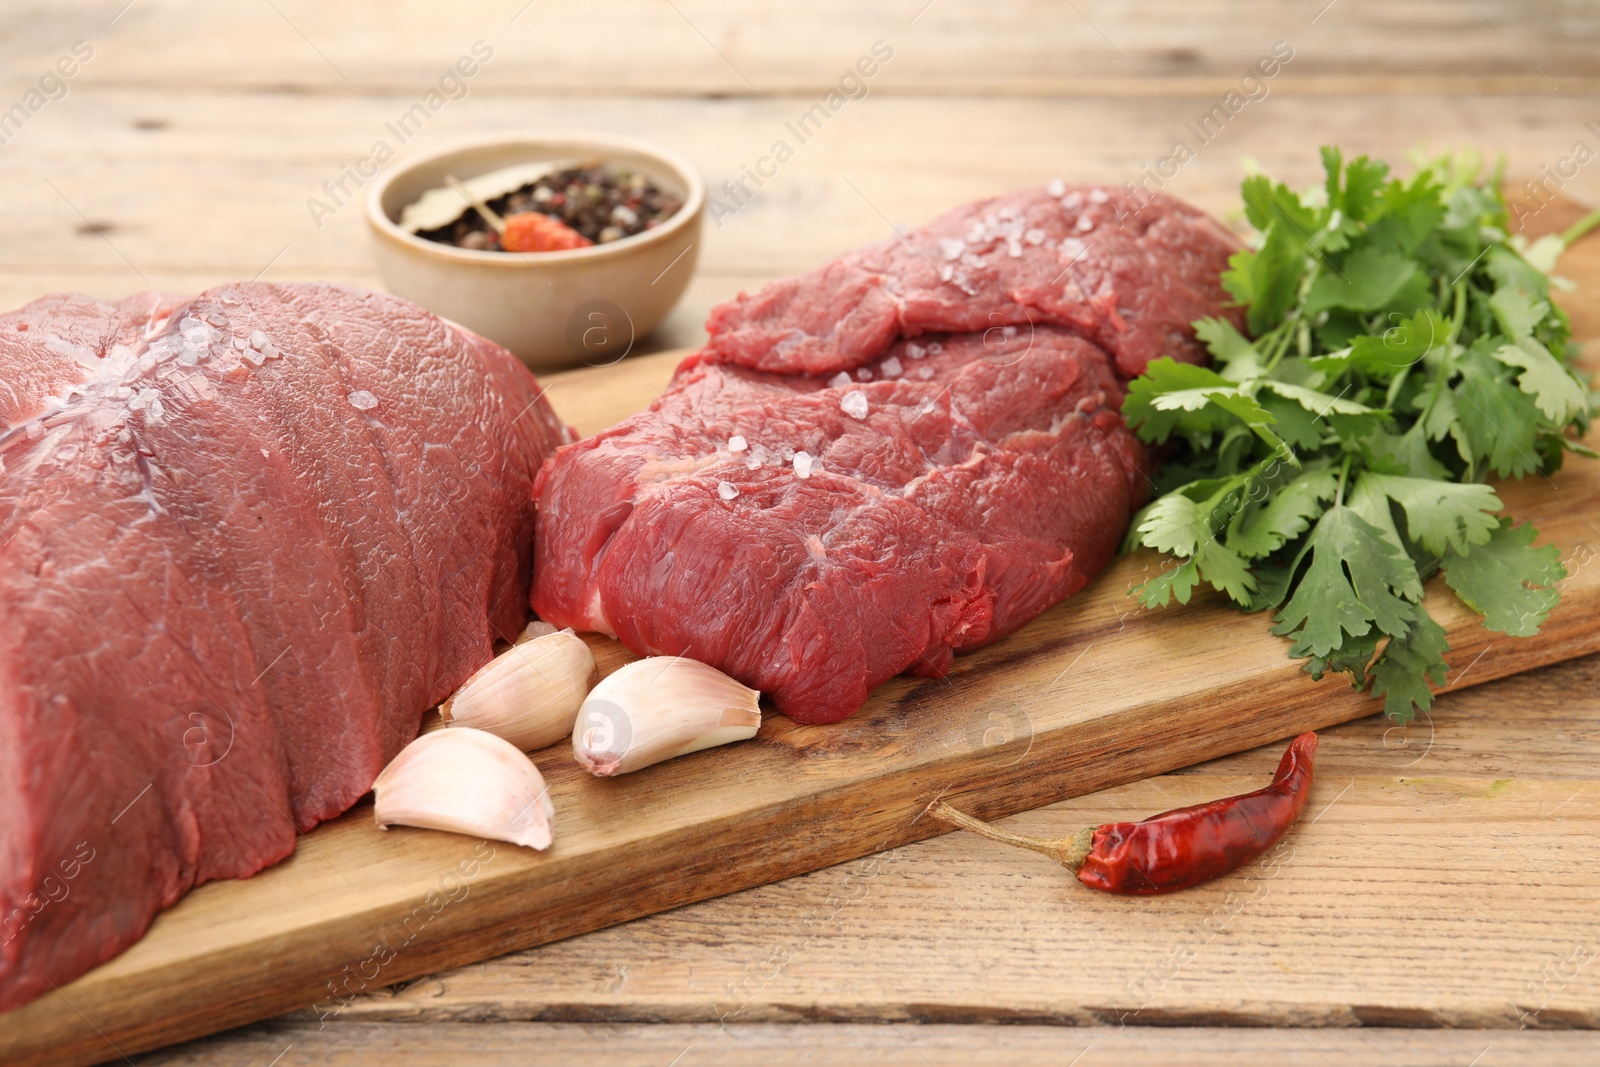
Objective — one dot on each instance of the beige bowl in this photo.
(553, 309)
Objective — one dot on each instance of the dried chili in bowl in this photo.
(1179, 848)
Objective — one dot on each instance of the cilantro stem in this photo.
(1447, 368)
(1344, 472)
(1286, 330)
(1574, 233)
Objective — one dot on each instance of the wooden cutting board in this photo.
(1094, 693)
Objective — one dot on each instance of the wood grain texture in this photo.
(220, 192)
(1092, 694)
(899, 1045)
(1390, 910)
(183, 156)
(728, 47)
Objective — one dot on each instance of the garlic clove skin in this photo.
(529, 694)
(534, 630)
(467, 782)
(657, 708)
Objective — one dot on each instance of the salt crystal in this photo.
(241, 342)
(975, 233)
(1057, 187)
(785, 453)
(892, 367)
(802, 465)
(854, 404)
(727, 490)
(946, 272)
(256, 359)
(188, 357)
(736, 443)
(935, 348)
(925, 373)
(1034, 236)
(1098, 196)
(1072, 201)
(143, 399)
(951, 248)
(915, 351)
(624, 215)
(973, 261)
(863, 374)
(1085, 224)
(1014, 248)
(839, 380)
(1072, 248)
(268, 350)
(257, 338)
(156, 410)
(197, 337)
(1007, 213)
(362, 400)
(1010, 331)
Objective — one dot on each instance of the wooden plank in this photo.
(1090, 695)
(194, 204)
(196, 199)
(534, 1045)
(727, 47)
(914, 916)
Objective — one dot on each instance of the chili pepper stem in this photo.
(1069, 852)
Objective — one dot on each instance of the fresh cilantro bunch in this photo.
(1401, 348)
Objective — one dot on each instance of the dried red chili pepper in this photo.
(532, 231)
(1180, 848)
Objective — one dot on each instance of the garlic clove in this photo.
(467, 782)
(535, 629)
(529, 694)
(657, 708)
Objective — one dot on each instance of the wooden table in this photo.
(1443, 908)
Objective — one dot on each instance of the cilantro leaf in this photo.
(1518, 312)
(1226, 570)
(1352, 658)
(1348, 586)
(1176, 582)
(1367, 280)
(1163, 378)
(1408, 664)
(1557, 394)
(1174, 524)
(1284, 517)
(1233, 352)
(1510, 583)
(1266, 280)
(1441, 515)
(1399, 347)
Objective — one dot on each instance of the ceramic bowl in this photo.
(553, 309)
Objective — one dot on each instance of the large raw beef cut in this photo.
(1127, 270)
(906, 453)
(246, 540)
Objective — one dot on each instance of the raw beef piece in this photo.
(814, 538)
(1129, 271)
(246, 539)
